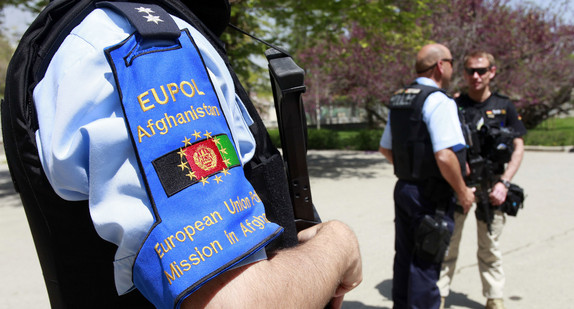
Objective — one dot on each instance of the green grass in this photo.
(553, 132)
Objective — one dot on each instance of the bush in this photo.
(323, 139)
(368, 140)
(332, 139)
(552, 132)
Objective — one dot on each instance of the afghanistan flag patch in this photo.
(195, 162)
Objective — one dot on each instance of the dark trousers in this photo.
(414, 279)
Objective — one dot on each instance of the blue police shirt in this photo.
(84, 144)
(441, 117)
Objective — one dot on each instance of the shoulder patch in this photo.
(207, 215)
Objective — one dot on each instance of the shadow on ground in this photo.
(462, 300)
(6, 185)
(385, 289)
(346, 165)
(359, 305)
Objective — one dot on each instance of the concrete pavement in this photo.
(356, 187)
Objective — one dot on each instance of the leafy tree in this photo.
(5, 54)
(368, 61)
(360, 69)
(324, 27)
(532, 48)
(32, 5)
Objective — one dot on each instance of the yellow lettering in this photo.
(186, 229)
(232, 210)
(185, 265)
(143, 102)
(180, 234)
(214, 218)
(186, 83)
(245, 230)
(171, 277)
(161, 126)
(200, 112)
(170, 238)
(165, 98)
(199, 225)
(173, 89)
(181, 118)
(198, 92)
(158, 251)
(194, 259)
(141, 133)
(189, 114)
(218, 244)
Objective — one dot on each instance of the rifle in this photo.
(287, 81)
(481, 176)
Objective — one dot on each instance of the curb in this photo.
(569, 148)
(549, 148)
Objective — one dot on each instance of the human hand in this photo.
(351, 273)
(466, 198)
(498, 194)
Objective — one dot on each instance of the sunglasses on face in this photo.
(480, 71)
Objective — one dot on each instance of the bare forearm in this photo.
(450, 169)
(515, 160)
(388, 153)
(306, 276)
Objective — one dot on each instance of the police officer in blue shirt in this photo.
(424, 141)
(155, 137)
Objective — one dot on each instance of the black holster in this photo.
(432, 236)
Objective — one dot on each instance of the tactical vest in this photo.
(413, 156)
(490, 120)
(493, 110)
(76, 262)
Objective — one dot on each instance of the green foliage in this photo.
(5, 54)
(32, 5)
(322, 139)
(335, 139)
(552, 132)
(368, 140)
(297, 25)
(242, 50)
(530, 44)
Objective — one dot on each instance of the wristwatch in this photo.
(506, 183)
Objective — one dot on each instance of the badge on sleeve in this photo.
(208, 217)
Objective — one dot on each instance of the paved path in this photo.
(356, 187)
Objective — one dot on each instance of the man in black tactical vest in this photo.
(487, 110)
(144, 168)
(424, 141)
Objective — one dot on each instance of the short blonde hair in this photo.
(480, 54)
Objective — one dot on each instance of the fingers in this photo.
(308, 233)
(468, 199)
(498, 194)
(336, 302)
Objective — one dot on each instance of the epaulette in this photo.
(500, 95)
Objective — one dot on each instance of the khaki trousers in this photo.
(489, 256)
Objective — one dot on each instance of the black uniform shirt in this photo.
(497, 110)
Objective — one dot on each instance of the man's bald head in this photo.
(429, 55)
(431, 61)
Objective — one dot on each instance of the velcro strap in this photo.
(150, 20)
